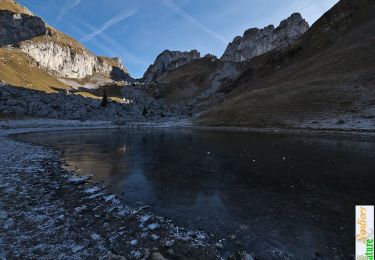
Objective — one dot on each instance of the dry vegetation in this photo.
(16, 69)
(13, 6)
(61, 39)
(330, 71)
(187, 81)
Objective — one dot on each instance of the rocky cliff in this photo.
(52, 50)
(167, 61)
(16, 27)
(324, 80)
(69, 62)
(256, 41)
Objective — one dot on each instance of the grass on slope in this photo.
(13, 6)
(16, 69)
(187, 81)
(54, 35)
(327, 77)
(61, 39)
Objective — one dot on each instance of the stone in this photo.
(246, 256)
(153, 226)
(169, 243)
(219, 246)
(256, 41)
(167, 61)
(157, 256)
(112, 256)
(155, 237)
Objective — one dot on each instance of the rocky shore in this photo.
(49, 212)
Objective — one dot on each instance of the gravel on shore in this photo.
(47, 212)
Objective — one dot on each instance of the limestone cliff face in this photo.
(68, 62)
(54, 51)
(256, 41)
(167, 61)
(61, 60)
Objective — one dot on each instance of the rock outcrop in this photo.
(73, 63)
(16, 27)
(54, 51)
(256, 41)
(167, 61)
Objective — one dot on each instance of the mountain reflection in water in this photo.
(281, 196)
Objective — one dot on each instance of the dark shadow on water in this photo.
(282, 196)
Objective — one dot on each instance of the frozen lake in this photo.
(279, 196)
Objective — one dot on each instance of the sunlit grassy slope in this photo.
(16, 69)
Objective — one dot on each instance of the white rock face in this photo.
(256, 41)
(68, 63)
(51, 54)
(166, 61)
(61, 59)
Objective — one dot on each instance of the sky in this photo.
(137, 31)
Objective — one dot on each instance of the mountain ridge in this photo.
(323, 80)
(255, 42)
(53, 51)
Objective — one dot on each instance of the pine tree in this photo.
(105, 99)
(144, 113)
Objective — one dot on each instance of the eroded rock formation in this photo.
(256, 41)
(167, 61)
(54, 51)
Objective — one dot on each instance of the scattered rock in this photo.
(155, 237)
(153, 226)
(157, 256)
(78, 180)
(219, 246)
(112, 256)
(169, 243)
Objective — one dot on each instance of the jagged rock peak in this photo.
(256, 41)
(167, 61)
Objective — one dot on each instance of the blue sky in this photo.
(138, 30)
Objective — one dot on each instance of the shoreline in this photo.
(74, 217)
(304, 132)
(45, 125)
(187, 244)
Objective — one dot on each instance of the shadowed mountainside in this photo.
(326, 76)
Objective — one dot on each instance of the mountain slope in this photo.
(19, 69)
(191, 84)
(13, 6)
(55, 53)
(325, 79)
(256, 41)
